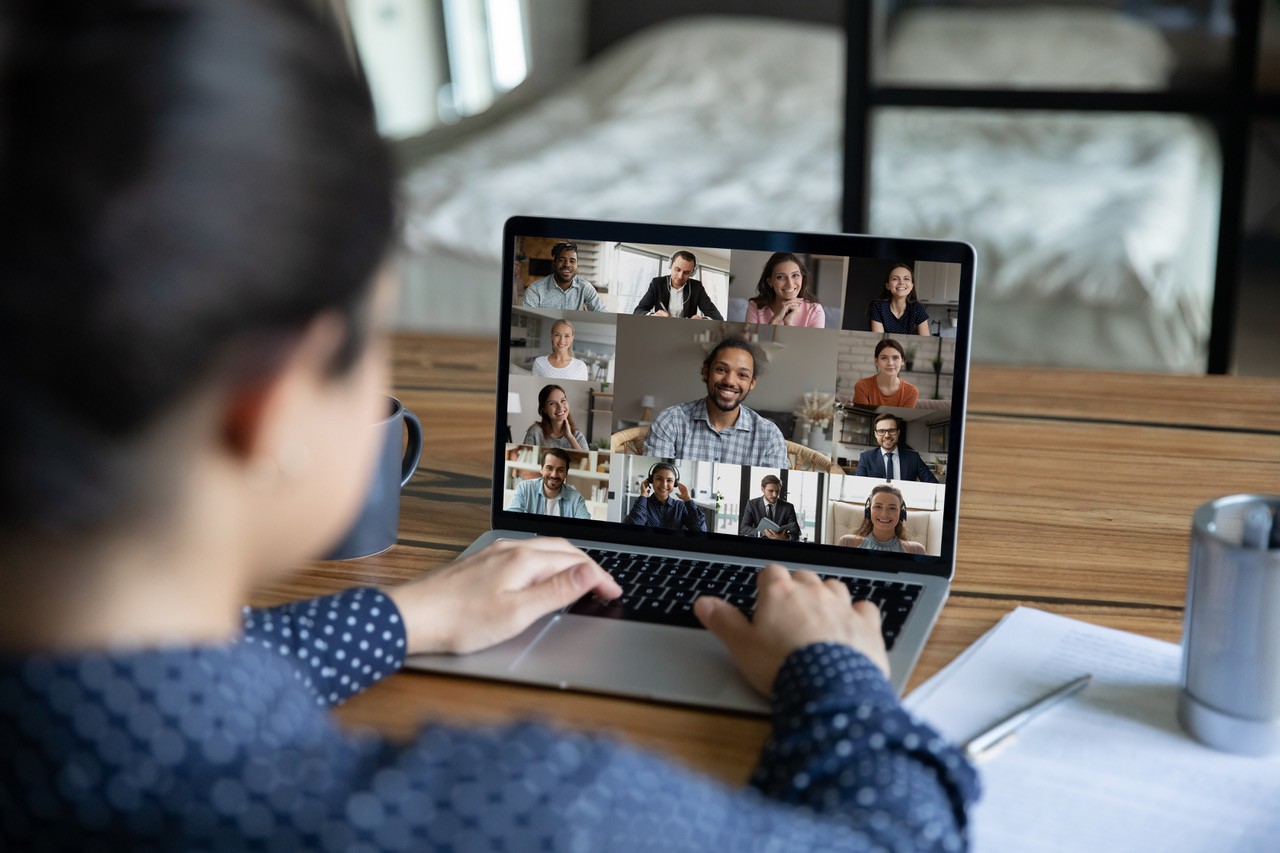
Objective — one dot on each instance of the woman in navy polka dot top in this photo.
(197, 207)
(897, 311)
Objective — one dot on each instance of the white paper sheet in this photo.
(1110, 769)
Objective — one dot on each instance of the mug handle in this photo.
(413, 449)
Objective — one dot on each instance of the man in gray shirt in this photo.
(718, 428)
(564, 288)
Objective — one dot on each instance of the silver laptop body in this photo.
(639, 364)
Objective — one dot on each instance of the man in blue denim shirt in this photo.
(550, 494)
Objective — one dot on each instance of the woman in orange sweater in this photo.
(887, 388)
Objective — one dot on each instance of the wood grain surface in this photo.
(1077, 494)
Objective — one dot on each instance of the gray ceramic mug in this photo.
(378, 525)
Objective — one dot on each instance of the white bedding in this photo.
(737, 122)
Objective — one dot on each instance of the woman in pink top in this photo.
(783, 297)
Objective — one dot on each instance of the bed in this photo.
(1095, 232)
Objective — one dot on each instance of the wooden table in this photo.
(1077, 498)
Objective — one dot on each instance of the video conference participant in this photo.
(564, 288)
(887, 388)
(660, 509)
(550, 494)
(898, 312)
(771, 506)
(884, 527)
(718, 427)
(555, 427)
(783, 297)
(115, 115)
(677, 294)
(560, 364)
(894, 460)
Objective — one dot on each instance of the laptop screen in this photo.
(795, 397)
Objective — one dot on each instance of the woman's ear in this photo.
(257, 412)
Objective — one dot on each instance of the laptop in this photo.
(804, 444)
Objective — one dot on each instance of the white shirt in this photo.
(575, 369)
(675, 299)
(552, 506)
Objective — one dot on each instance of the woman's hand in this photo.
(495, 594)
(789, 313)
(683, 492)
(645, 488)
(570, 432)
(793, 611)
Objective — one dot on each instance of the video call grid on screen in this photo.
(627, 368)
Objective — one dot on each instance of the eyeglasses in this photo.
(884, 432)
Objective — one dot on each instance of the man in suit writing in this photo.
(893, 460)
(770, 506)
(678, 294)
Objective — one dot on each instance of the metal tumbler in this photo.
(1230, 696)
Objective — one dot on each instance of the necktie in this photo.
(888, 466)
(768, 510)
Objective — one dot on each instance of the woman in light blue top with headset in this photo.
(884, 524)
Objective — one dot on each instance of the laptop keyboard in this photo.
(662, 590)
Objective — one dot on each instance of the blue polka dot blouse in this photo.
(230, 747)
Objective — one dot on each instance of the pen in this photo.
(988, 739)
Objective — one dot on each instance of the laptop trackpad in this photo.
(638, 659)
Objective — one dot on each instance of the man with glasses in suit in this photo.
(893, 460)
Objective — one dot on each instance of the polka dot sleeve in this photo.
(340, 644)
(842, 743)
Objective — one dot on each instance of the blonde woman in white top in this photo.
(560, 364)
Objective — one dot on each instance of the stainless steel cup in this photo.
(1230, 697)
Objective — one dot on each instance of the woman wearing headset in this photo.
(660, 509)
(884, 525)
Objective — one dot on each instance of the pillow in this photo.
(1025, 48)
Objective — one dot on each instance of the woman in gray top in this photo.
(885, 526)
(556, 429)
